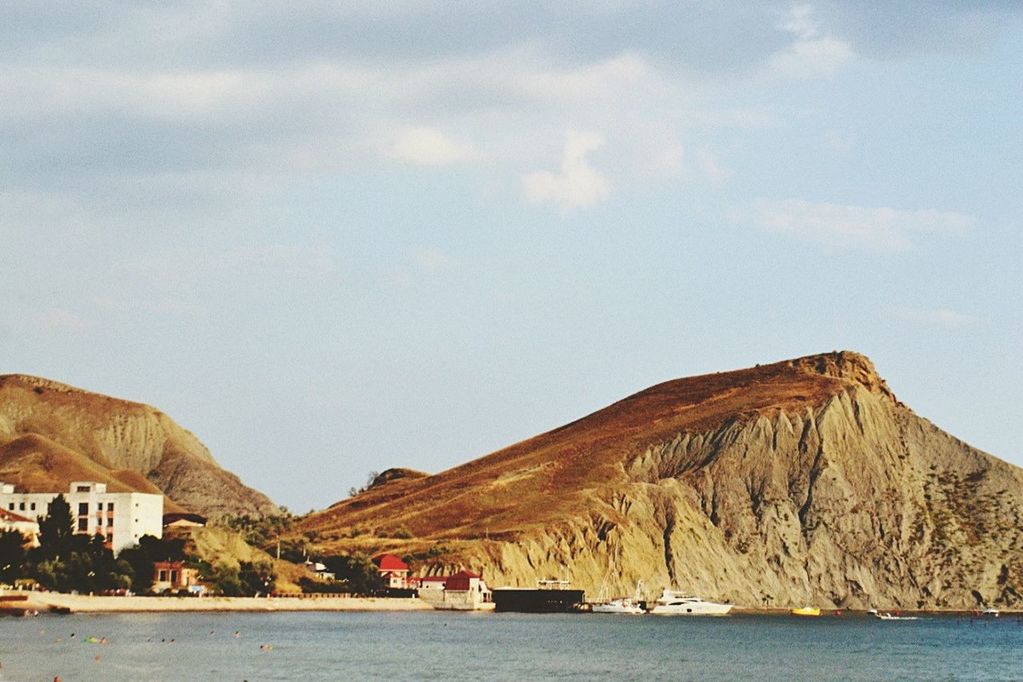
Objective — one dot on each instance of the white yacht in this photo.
(624, 606)
(672, 603)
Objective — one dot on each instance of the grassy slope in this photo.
(554, 475)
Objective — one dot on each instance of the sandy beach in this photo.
(47, 601)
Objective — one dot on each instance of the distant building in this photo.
(429, 583)
(463, 591)
(121, 518)
(393, 571)
(320, 570)
(29, 529)
(183, 520)
(181, 523)
(174, 576)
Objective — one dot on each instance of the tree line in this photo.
(66, 561)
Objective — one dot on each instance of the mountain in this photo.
(52, 434)
(800, 482)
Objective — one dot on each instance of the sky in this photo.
(333, 238)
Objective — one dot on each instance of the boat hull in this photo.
(615, 608)
(537, 601)
(701, 609)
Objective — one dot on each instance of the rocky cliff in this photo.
(51, 434)
(801, 482)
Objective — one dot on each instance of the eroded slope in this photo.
(800, 482)
(51, 433)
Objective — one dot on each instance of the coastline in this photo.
(56, 602)
(78, 603)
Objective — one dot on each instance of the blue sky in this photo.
(335, 238)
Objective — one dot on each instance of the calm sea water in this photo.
(458, 646)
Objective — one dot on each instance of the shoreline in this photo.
(17, 603)
(55, 602)
(836, 612)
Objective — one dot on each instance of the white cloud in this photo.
(813, 52)
(578, 183)
(600, 80)
(429, 147)
(937, 317)
(799, 22)
(837, 225)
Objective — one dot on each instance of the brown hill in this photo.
(799, 482)
(52, 434)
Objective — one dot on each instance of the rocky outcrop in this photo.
(804, 482)
(53, 433)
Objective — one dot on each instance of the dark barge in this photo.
(552, 596)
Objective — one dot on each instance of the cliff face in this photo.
(51, 434)
(804, 482)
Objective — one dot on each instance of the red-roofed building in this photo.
(463, 580)
(463, 591)
(29, 529)
(393, 571)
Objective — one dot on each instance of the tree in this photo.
(56, 529)
(371, 478)
(257, 578)
(141, 557)
(12, 555)
(355, 569)
(224, 579)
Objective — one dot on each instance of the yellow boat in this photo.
(806, 611)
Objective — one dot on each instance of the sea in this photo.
(487, 646)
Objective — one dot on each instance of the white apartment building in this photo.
(122, 518)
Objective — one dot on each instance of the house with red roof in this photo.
(393, 572)
(29, 529)
(463, 591)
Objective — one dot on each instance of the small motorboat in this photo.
(806, 611)
(893, 616)
(991, 612)
(623, 606)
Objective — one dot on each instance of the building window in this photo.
(83, 525)
(21, 506)
(33, 506)
(163, 576)
(110, 506)
(11, 506)
(83, 508)
(82, 489)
